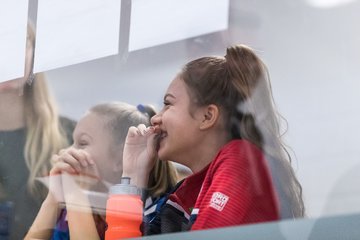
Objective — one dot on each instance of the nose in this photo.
(156, 119)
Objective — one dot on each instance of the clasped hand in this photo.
(73, 171)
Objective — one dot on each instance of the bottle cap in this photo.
(125, 188)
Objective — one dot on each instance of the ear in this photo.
(210, 116)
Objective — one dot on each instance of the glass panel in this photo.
(162, 21)
(85, 30)
(13, 19)
(310, 48)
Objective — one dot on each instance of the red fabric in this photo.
(237, 189)
(188, 191)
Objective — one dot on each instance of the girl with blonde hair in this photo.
(30, 132)
(91, 165)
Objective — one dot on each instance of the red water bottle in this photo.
(124, 211)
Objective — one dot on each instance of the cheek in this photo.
(170, 117)
(94, 154)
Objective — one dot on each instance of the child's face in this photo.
(91, 135)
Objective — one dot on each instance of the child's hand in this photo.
(54, 180)
(73, 172)
(79, 164)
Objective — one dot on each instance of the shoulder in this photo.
(236, 150)
(238, 157)
(240, 145)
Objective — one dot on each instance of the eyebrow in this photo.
(169, 95)
(80, 135)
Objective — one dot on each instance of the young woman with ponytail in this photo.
(218, 119)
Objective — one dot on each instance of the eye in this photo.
(167, 104)
(82, 143)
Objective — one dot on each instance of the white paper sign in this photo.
(75, 31)
(328, 3)
(13, 28)
(155, 22)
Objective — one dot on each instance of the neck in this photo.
(205, 153)
(11, 111)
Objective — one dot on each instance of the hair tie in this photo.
(141, 108)
(146, 110)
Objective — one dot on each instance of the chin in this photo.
(162, 154)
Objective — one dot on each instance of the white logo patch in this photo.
(218, 201)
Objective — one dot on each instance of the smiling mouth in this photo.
(158, 137)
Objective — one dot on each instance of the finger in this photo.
(87, 157)
(62, 151)
(54, 158)
(71, 160)
(61, 167)
(56, 169)
(146, 131)
(156, 129)
(132, 132)
(79, 155)
(150, 130)
(142, 129)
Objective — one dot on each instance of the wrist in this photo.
(50, 201)
(139, 179)
(76, 198)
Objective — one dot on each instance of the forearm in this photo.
(82, 224)
(45, 220)
(80, 217)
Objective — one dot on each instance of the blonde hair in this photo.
(119, 118)
(162, 177)
(44, 135)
